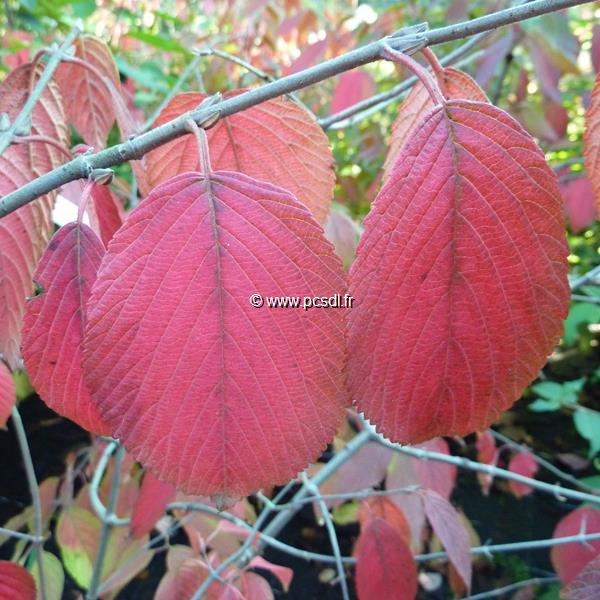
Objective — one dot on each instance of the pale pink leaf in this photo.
(366, 469)
(276, 141)
(255, 587)
(225, 411)
(352, 87)
(580, 206)
(284, 574)
(447, 525)
(54, 323)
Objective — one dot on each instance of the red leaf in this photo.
(569, 559)
(25, 232)
(525, 464)
(16, 582)
(487, 453)
(380, 507)
(310, 56)
(276, 141)
(352, 87)
(150, 504)
(86, 97)
(385, 567)
(418, 103)
(591, 140)
(7, 394)
(190, 576)
(235, 385)
(586, 585)
(447, 525)
(55, 320)
(580, 207)
(460, 283)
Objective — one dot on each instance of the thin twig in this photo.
(407, 40)
(107, 523)
(588, 299)
(101, 511)
(507, 589)
(22, 118)
(34, 491)
(21, 536)
(363, 109)
(589, 277)
(543, 462)
(470, 465)
(185, 74)
(335, 546)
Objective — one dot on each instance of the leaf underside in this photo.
(461, 277)
(208, 392)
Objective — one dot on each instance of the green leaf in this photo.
(346, 513)
(78, 535)
(592, 481)
(587, 423)
(555, 394)
(158, 41)
(54, 576)
(581, 313)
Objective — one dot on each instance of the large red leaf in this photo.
(87, 101)
(457, 84)
(7, 394)
(447, 525)
(385, 567)
(150, 504)
(16, 582)
(210, 393)
(569, 559)
(591, 140)
(586, 585)
(55, 320)
(460, 283)
(25, 232)
(276, 141)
